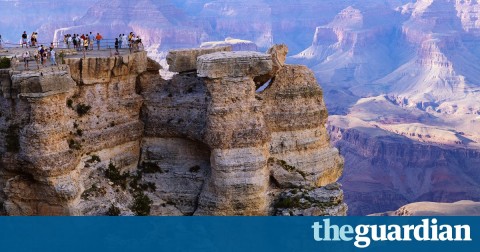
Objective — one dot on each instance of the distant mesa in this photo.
(459, 208)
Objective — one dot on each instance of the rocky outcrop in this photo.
(56, 119)
(109, 136)
(186, 60)
(278, 55)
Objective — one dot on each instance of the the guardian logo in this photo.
(429, 230)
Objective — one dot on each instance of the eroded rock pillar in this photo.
(237, 134)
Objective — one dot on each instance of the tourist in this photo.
(42, 54)
(124, 40)
(139, 43)
(74, 40)
(98, 38)
(130, 37)
(80, 43)
(32, 39)
(52, 57)
(35, 35)
(24, 39)
(116, 46)
(36, 56)
(69, 40)
(26, 59)
(120, 40)
(91, 38)
(85, 46)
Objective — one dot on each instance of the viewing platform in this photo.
(61, 54)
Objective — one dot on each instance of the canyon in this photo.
(399, 77)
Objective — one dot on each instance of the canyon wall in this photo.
(389, 171)
(98, 136)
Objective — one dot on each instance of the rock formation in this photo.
(109, 136)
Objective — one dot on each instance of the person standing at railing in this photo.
(69, 40)
(35, 36)
(130, 42)
(85, 45)
(24, 39)
(116, 46)
(74, 41)
(98, 38)
(52, 57)
(32, 39)
(124, 40)
(120, 41)
(91, 38)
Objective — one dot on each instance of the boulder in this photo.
(234, 64)
(185, 60)
(278, 54)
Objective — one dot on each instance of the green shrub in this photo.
(114, 175)
(141, 204)
(70, 103)
(82, 109)
(113, 211)
(5, 63)
(150, 167)
(74, 145)
(89, 192)
(288, 203)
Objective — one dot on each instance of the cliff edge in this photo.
(108, 135)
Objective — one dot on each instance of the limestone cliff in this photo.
(108, 135)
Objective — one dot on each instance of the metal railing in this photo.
(104, 44)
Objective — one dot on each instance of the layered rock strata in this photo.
(110, 136)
